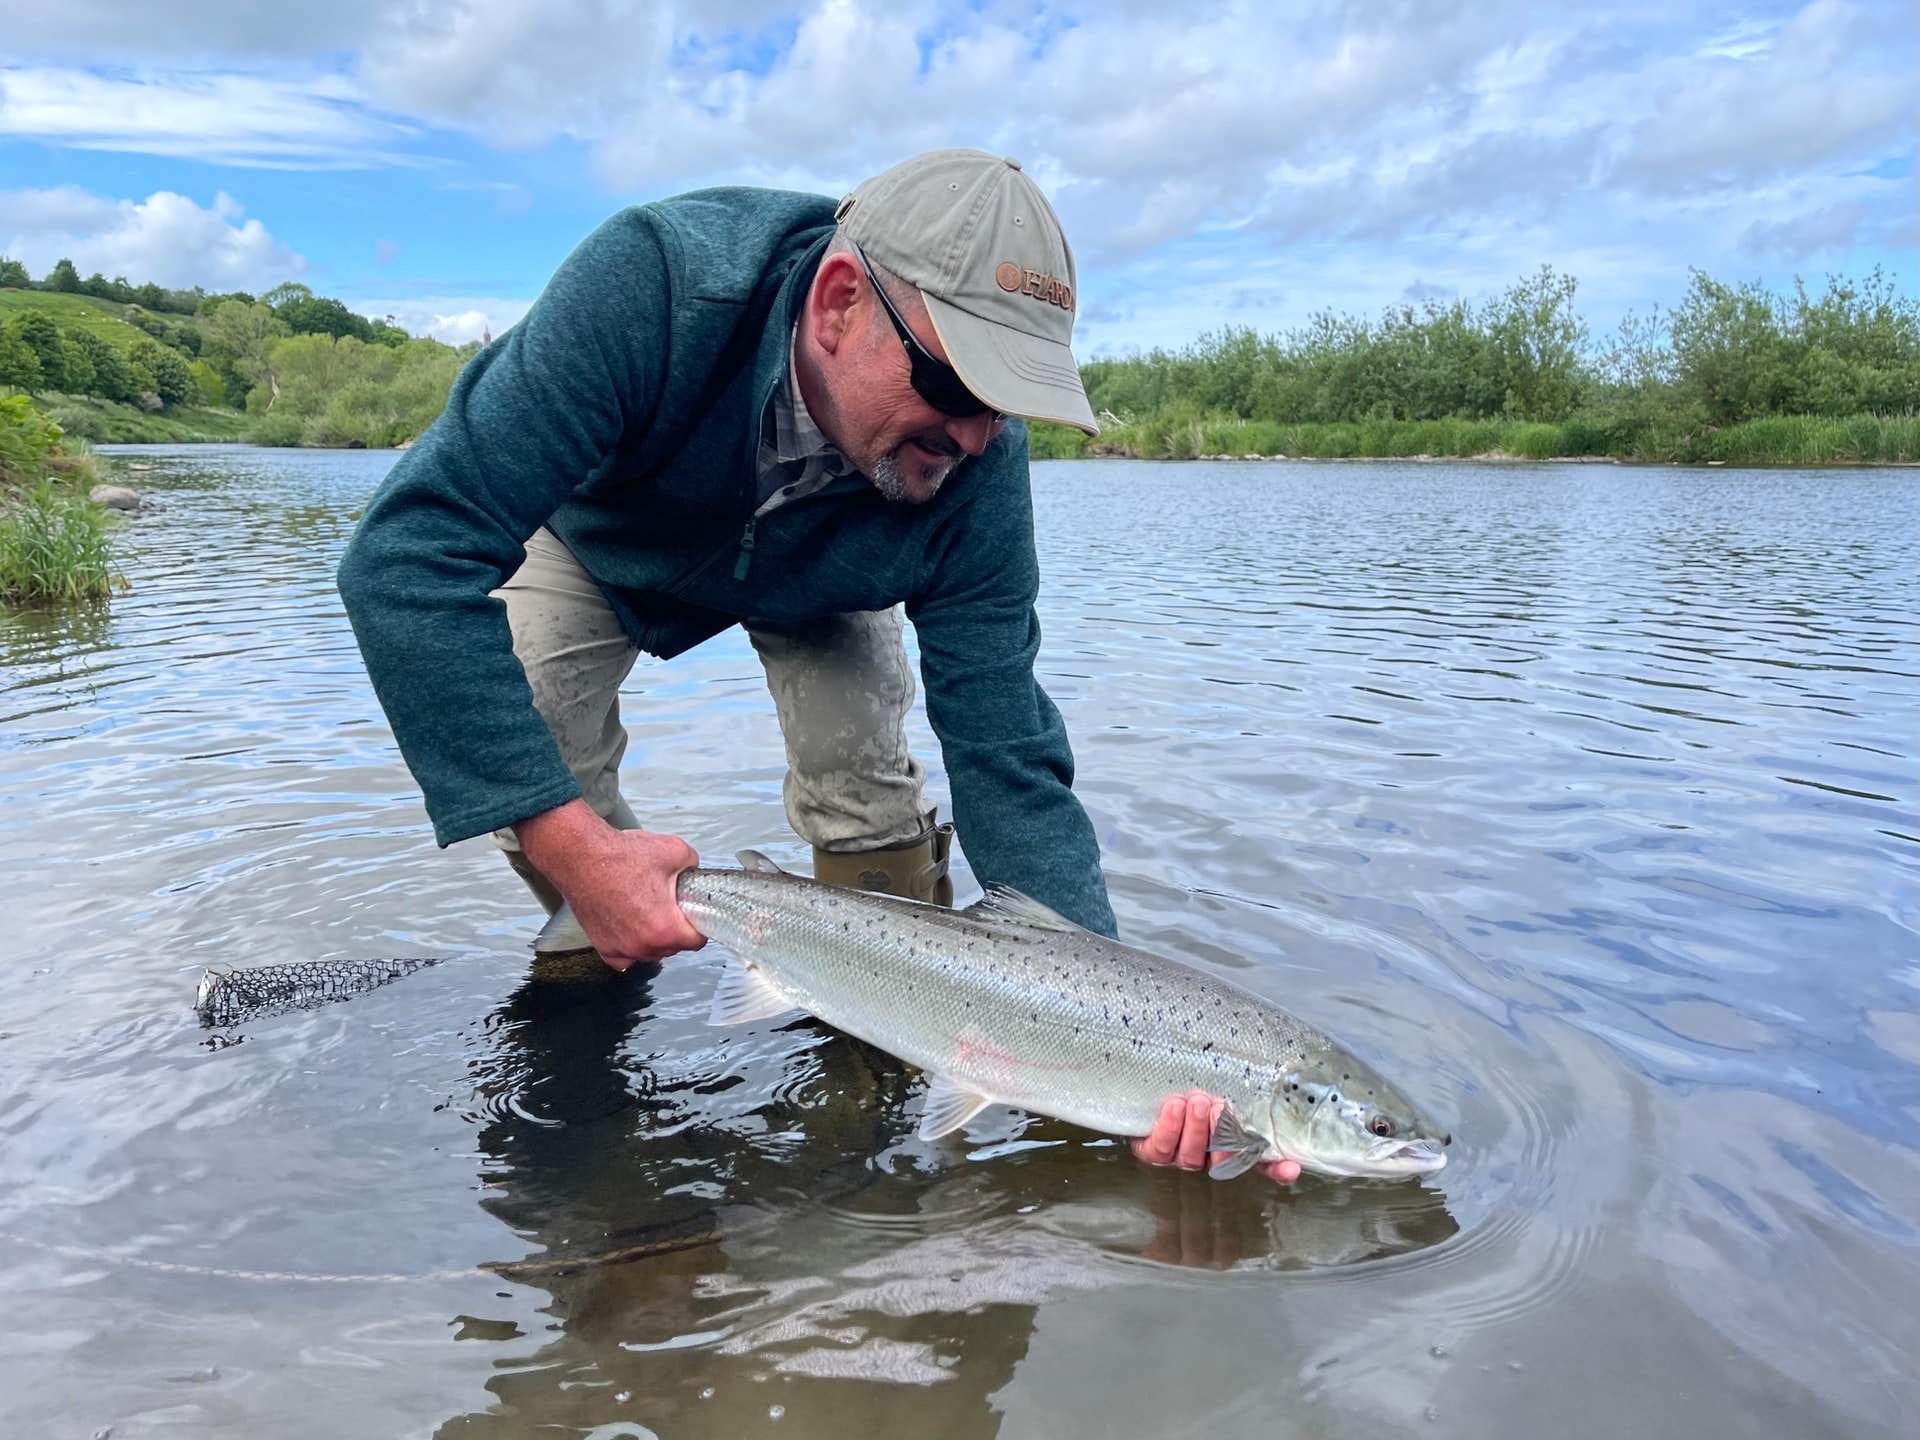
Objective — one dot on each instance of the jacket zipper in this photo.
(745, 562)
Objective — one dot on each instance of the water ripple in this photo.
(1582, 801)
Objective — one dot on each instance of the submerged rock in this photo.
(117, 497)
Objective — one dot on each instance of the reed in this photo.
(54, 546)
(1179, 434)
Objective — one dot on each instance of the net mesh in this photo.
(228, 997)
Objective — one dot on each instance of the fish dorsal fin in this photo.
(949, 1106)
(1003, 902)
(562, 934)
(758, 864)
(745, 995)
(1239, 1148)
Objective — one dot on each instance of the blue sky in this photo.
(1213, 163)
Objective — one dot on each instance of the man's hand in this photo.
(620, 883)
(1180, 1135)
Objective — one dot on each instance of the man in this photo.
(750, 407)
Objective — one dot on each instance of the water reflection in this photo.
(699, 1262)
(1582, 801)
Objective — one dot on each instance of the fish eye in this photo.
(1381, 1126)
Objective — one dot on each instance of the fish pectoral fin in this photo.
(562, 934)
(1003, 902)
(1240, 1149)
(949, 1106)
(758, 864)
(745, 995)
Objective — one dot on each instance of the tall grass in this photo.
(54, 546)
(1774, 440)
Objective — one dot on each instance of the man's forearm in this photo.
(559, 840)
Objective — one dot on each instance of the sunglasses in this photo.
(934, 381)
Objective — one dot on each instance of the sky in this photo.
(1245, 164)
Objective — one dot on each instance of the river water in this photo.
(1580, 799)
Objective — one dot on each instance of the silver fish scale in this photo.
(1063, 1022)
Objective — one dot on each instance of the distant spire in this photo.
(486, 335)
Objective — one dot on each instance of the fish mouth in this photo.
(1386, 1160)
(1392, 1159)
(1409, 1157)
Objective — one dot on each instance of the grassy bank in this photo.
(107, 422)
(1773, 440)
(54, 544)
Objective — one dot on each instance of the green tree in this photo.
(213, 390)
(78, 364)
(1540, 343)
(338, 392)
(64, 278)
(305, 313)
(113, 377)
(19, 365)
(287, 292)
(171, 380)
(387, 331)
(1730, 355)
(38, 332)
(1860, 346)
(150, 296)
(13, 275)
(246, 332)
(210, 303)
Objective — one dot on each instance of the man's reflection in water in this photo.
(730, 1221)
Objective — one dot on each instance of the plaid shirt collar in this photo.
(801, 459)
(795, 436)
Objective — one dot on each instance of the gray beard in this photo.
(891, 482)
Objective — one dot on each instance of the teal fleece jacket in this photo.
(624, 413)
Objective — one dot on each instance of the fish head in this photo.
(1336, 1115)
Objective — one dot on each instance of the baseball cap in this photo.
(973, 233)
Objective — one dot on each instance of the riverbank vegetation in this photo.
(117, 363)
(54, 544)
(1734, 374)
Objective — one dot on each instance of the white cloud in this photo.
(1265, 154)
(229, 119)
(454, 319)
(1805, 100)
(1154, 124)
(1833, 227)
(166, 238)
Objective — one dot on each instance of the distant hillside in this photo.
(104, 318)
(113, 362)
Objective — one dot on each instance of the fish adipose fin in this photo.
(1242, 1148)
(758, 864)
(1003, 902)
(746, 995)
(948, 1108)
(562, 934)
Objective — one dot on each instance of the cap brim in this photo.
(1014, 372)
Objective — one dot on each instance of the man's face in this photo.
(878, 420)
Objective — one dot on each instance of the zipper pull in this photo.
(745, 562)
